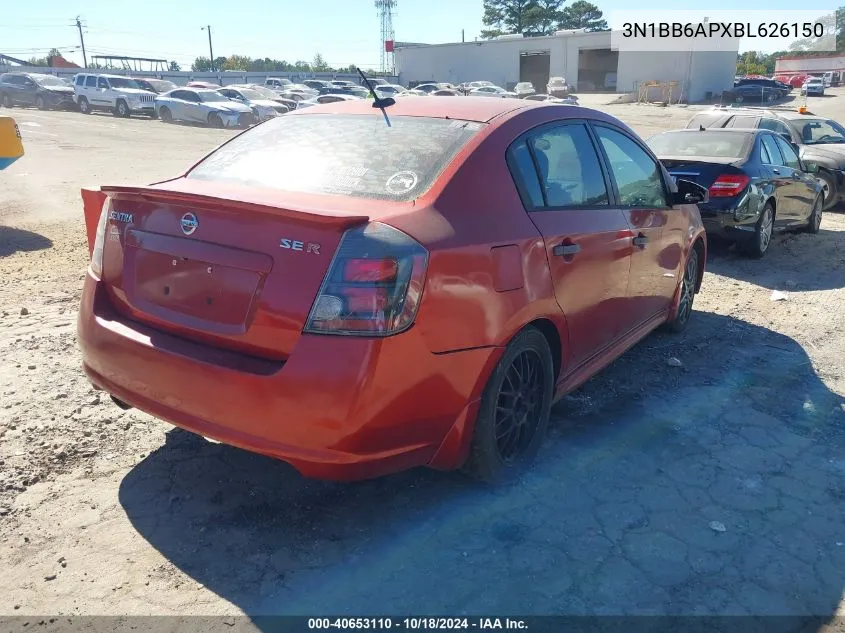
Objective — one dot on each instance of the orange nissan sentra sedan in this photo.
(358, 298)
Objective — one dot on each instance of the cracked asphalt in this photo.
(716, 487)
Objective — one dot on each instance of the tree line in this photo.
(248, 64)
(539, 17)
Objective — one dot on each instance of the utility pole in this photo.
(82, 42)
(463, 39)
(210, 50)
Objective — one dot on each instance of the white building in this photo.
(586, 60)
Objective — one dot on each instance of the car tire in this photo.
(165, 115)
(689, 280)
(815, 220)
(758, 245)
(121, 109)
(39, 103)
(829, 191)
(84, 106)
(6, 100)
(521, 386)
(214, 120)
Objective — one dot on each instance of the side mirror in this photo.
(810, 167)
(689, 193)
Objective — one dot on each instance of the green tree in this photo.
(201, 65)
(750, 63)
(174, 67)
(236, 62)
(534, 17)
(37, 61)
(301, 67)
(319, 64)
(583, 15)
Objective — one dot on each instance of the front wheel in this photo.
(84, 107)
(687, 295)
(514, 411)
(7, 100)
(829, 191)
(121, 109)
(814, 222)
(214, 120)
(39, 103)
(165, 115)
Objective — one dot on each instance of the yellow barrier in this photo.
(11, 145)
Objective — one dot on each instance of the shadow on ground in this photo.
(13, 240)
(713, 488)
(813, 262)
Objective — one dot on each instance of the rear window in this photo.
(710, 143)
(356, 155)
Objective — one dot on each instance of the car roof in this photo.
(789, 115)
(479, 109)
(721, 130)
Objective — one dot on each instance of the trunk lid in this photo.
(218, 265)
(703, 172)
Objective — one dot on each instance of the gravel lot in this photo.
(717, 487)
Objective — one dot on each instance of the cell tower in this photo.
(385, 11)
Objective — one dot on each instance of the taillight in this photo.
(100, 240)
(373, 286)
(728, 185)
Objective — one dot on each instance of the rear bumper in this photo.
(339, 408)
(723, 223)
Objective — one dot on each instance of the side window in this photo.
(525, 174)
(744, 121)
(177, 94)
(189, 95)
(771, 147)
(229, 94)
(764, 154)
(570, 172)
(80, 80)
(638, 178)
(789, 155)
(90, 81)
(102, 82)
(774, 125)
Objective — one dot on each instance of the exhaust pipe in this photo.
(121, 403)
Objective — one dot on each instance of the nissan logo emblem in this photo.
(189, 223)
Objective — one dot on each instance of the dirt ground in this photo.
(716, 487)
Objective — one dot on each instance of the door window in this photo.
(90, 81)
(789, 156)
(639, 179)
(771, 153)
(102, 82)
(570, 171)
(80, 80)
(525, 175)
(775, 126)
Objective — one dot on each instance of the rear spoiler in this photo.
(93, 199)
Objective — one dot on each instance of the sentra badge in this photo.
(120, 216)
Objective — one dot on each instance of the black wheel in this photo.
(7, 100)
(687, 294)
(815, 220)
(214, 120)
(165, 115)
(84, 108)
(759, 244)
(121, 109)
(828, 189)
(39, 103)
(514, 410)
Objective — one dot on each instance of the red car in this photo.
(357, 298)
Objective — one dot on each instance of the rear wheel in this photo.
(514, 412)
(214, 120)
(815, 220)
(759, 244)
(165, 115)
(84, 107)
(39, 103)
(7, 100)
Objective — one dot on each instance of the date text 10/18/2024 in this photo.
(415, 624)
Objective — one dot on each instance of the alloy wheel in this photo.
(764, 235)
(518, 406)
(688, 287)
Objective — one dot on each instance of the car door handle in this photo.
(566, 250)
(776, 171)
(640, 241)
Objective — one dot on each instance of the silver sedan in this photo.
(198, 105)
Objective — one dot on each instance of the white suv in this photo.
(119, 94)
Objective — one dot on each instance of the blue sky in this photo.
(343, 31)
